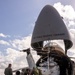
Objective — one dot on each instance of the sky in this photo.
(17, 21)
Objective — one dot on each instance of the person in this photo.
(8, 70)
(22, 73)
(36, 71)
(27, 72)
(17, 72)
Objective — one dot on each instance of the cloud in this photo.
(72, 33)
(22, 43)
(65, 11)
(4, 42)
(3, 35)
(14, 56)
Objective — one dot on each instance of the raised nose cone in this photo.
(50, 26)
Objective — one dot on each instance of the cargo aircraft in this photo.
(53, 59)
